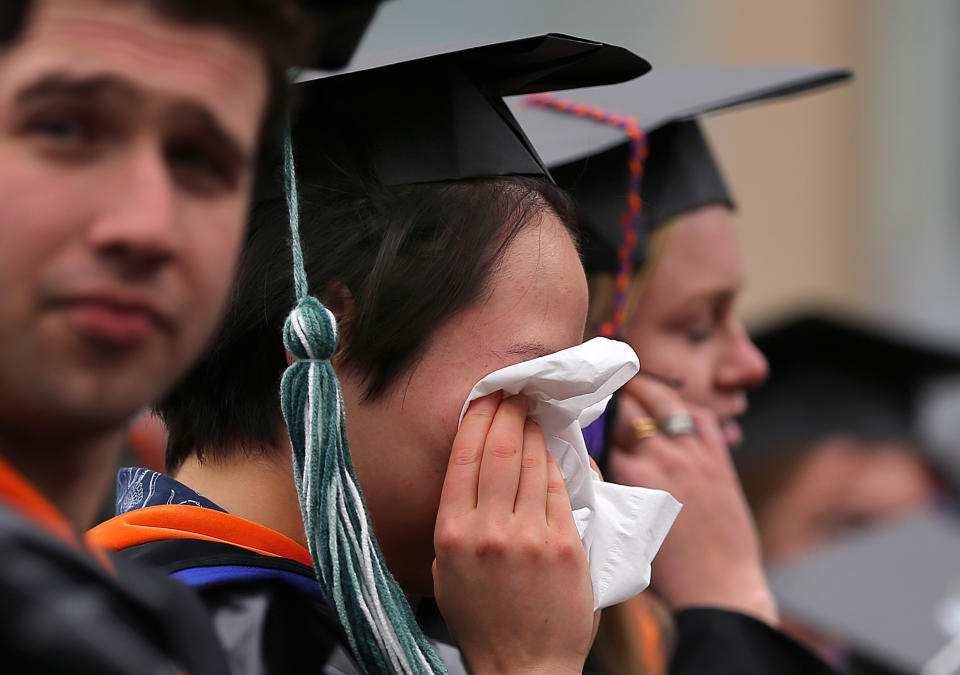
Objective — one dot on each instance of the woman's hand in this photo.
(711, 557)
(510, 576)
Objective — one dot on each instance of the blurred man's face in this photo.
(127, 144)
(844, 484)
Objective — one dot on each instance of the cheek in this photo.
(211, 245)
(671, 355)
(438, 388)
(39, 219)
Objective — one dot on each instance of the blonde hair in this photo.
(634, 637)
(603, 285)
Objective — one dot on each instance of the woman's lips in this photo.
(732, 433)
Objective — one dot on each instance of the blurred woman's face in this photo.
(685, 325)
(535, 303)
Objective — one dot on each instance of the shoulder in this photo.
(270, 627)
(722, 641)
(61, 611)
(267, 611)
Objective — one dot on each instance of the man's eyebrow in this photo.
(95, 87)
(225, 142)
(99, 87)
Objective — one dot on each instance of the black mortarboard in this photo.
(435, 114)
(591, 159)
(830, 376)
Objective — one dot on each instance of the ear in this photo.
(338, 299)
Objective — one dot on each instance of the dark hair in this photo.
(275, 27)
(13, 15)
(410, 257)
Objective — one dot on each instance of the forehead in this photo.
(127, 40)
(539, 289)
(702, 256)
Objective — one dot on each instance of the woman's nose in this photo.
(744, 366)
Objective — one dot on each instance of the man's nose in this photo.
(137, 229)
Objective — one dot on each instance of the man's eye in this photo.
(63, 130)
(198, 168)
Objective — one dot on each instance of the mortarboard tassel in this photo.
(369, 603)
(630, 219)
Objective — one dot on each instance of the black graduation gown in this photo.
(61, 611)
(267, 611)
(722, 642)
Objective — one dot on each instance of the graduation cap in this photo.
(891, 593)
(593, 159)
(437, 113)
(338, 27)
(830, 376)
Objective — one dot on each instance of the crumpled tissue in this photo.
(622, 527)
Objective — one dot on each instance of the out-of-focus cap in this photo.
(830, 375)
(680, 174)
(338, 27)
(892, 592)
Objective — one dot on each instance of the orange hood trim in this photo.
(181, 521)
(21, 496)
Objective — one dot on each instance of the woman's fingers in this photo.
(499, 476)
(459, 493)
(659, 400)
(709, 430)
(532, 492)
(559, 515)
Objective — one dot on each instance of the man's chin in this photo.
(72, 406)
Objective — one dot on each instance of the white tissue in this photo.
(621, 527)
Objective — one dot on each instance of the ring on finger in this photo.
(644, 427)
(677, 425)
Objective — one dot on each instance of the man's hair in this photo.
(12, 17)
(407, 258)
(275, 27)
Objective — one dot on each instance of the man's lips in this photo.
(120, 321)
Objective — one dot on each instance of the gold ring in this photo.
(644, 427)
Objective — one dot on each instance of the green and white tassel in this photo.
(370, 605)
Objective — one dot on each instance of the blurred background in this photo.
(848, 198)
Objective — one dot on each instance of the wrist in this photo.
(539, 669)
(753, 598)
(544, 667)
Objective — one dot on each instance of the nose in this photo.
(136, 231)
(743, 365)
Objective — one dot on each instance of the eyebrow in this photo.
(530, 350)
(233, 151)
(97, 87)
(107, 87)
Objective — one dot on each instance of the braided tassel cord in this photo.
(370, 605)
(630, 217)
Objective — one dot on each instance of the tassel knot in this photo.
(310, 332)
